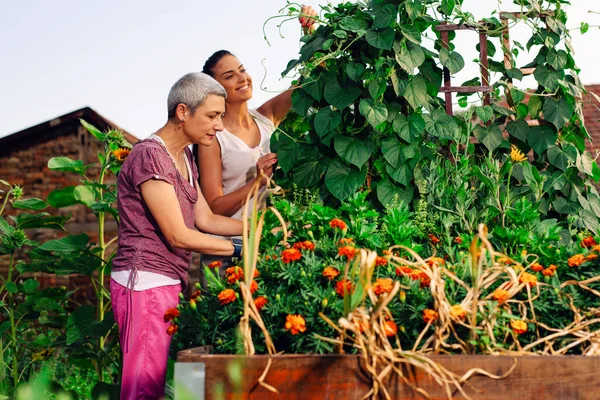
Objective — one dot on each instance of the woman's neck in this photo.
(237, 115)
(174, 139)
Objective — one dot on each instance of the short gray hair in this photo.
(192, 90)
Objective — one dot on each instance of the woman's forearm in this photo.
(220, 225)
(199, 242)
(229, 204)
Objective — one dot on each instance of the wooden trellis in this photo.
(485, 87)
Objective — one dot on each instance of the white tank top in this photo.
(238, 160)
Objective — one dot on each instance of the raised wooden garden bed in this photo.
(342, 377)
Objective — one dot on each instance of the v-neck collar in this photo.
(190, 180)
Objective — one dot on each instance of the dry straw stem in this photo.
(252, 230)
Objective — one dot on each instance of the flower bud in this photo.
(324, 302)
(180, 295)
(402, 296)
(193, 305)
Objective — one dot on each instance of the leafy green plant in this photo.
(367, 115)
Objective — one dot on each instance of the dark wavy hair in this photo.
(214, 60)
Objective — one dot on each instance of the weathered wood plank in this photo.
(343, 377)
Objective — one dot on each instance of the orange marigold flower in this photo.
(504, 260)
(596, 248)
(290, 255)
(537, 267)
(195, 295)
(425, 281)
(390, 328)
(226, 296)
(383, 285)
(234, 274)
(121, 154)
(403, 270)
(429, 315)
(436, 261)
(458, 240)
(548, 272)
(172, 329)
(306, 245)
(171, 314)
(591, 257)
(380, 261)
(576, 260)
(344, 286)
(330, 273)
(215, 264)
(256, 274)
(458, 312)
(253, 287)
(345, 241)
(501, 295)
(588, 242)
(552, 267)
(260, 302)
(528, 279)
(433, 239)
(338, 223)
(518, 326)
(347, 251)
(295, 324)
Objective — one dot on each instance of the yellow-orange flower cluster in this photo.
(330, 273)
(348, 251)
(501, 295)
(306, 245)
(338, 224)
(518, 326)
(596, 248)
(588, 242)
(435, 261)
(528, 279)
(433, 239)
(537, 267)
(413, 274)
(429, 315)
(576, 260)
(121, 154)
(195, 296)
(215, 264)
(591, 257)
(171, 314)
(383, 285)
(172, 329)
(345, 241)
(381, 261)
(458, 312)
(390, 328)
(290, 255)
(458, 240)
(234, 274)
(295, 324)
(253, 287)
(260, 302)
(226, 296)
(344, 286)
(550, 270)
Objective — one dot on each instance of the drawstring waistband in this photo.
(133, 277)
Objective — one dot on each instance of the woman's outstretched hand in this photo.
(266, 164)
(307, 20)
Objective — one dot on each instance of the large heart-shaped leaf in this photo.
(410, 57)
(315, 88)
(343, 180)
(547, 77)
(388, 193)
(441, 124)
(557, 59)
(381, 39)
(62, 197)
(384, 16)
(354, 150)
(353, 24)
(411, 33)
(541, 138)
(327, 120)
(308, 170)
(354, 71)
(558, 112)
(490, 136)
(560, 157)
(338, 96)
(67, 244)
(375, 113)
(395, 152)
(301, 101)
(416, 92)
(402, 174)
(452, 60)
(518, 129)
(409, 128)
(485, 113)
(413, 9)
(30, 204)
(65, 164)
(82, 324)
(85, 195)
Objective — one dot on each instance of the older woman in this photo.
(160, 206)
(229, 167)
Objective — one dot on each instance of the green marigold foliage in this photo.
(368, 115)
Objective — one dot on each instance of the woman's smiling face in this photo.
(230, 73)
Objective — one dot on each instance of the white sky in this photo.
(121, 57)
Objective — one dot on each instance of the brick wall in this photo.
(591, 111)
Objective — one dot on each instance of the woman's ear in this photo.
(181, 112)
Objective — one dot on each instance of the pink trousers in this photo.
(143, 337)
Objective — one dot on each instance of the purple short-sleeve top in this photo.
(142, 245)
